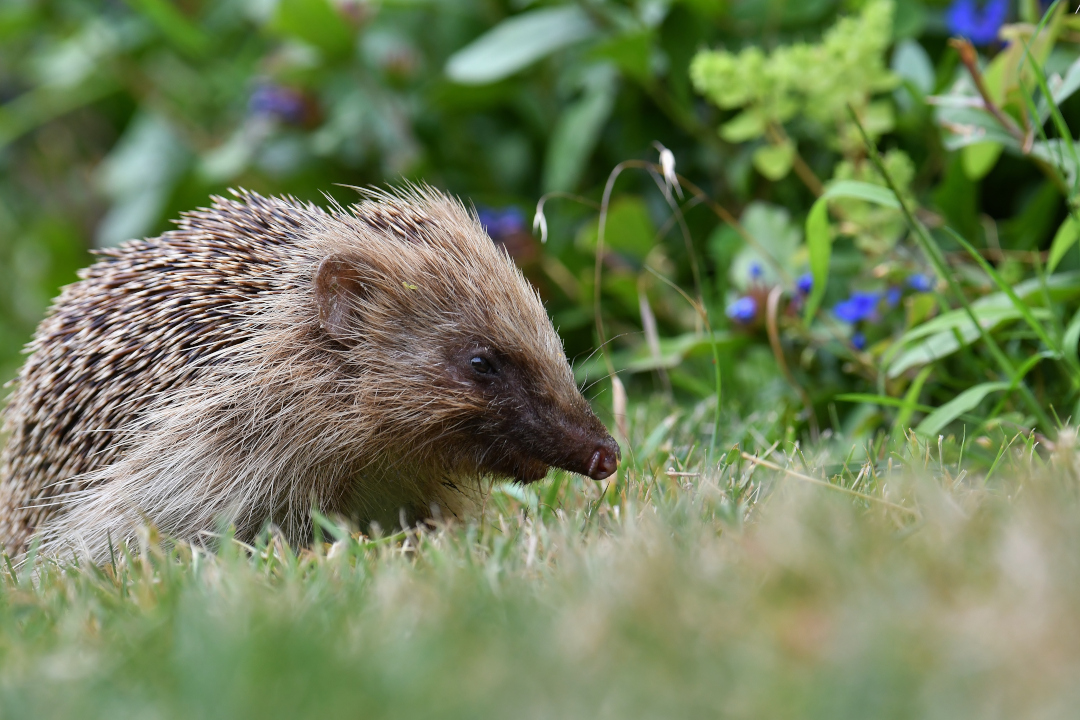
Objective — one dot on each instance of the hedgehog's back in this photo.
(140, 323)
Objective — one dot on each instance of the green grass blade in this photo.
(1071, 338)
(1064, 239)
(1020, 305)
(1055, 114)
(968, 400)
(885, 400)
(911, 397)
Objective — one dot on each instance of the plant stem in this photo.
(777, 136)
(970, 59)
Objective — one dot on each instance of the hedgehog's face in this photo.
(520, 418)
(468, 368)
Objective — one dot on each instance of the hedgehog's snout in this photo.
(604, 459)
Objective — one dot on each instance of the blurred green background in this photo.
(117, 116)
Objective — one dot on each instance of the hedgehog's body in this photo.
(268, 356)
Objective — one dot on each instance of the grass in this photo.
(735, 590)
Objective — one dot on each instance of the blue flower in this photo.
(805, 283)
(920, 283)
(980, 25)
(858, 341)
(860, 306)
(892, 296)
(501, 222)
(743, 310)
(277, 102)
(755, 270)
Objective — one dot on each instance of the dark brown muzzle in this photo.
(604, 460)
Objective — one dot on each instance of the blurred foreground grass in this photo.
(681, 590)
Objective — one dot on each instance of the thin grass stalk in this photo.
(1020, 305)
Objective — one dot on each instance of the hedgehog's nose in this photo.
(604, 460)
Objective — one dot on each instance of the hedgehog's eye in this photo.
(482, 365)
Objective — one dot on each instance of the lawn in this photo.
(901, 587)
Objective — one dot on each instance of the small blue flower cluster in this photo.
(743, 310)
(277, 102)
(860, 306)
(979, 24)
(805, 283)
(501, 222)
(866, 306)
(921, 283)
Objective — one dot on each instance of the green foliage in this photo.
(874, 228)
(114, 120)
(815, 81)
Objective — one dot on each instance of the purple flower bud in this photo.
(920, 283)
(805, 283)
(860, 306)
(277, 102)
(892, 296)
(858, 341)
(501, 222)
(743, 310)
(755, 270)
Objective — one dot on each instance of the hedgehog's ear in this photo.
(337, 288)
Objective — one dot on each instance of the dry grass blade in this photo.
(839, 488)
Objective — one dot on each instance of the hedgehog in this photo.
(381, 363)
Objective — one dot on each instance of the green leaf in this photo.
(174, 25)
(673, 351)
(577, 131)
(518, 42)
(881, 400)
(861, 191)
(630, 51)
(819, 245)
(940, 345)
(1058, 153)
(628, 230)
(878, 118)
(315, 22)
(1070, 83)
(1071, 167)
(774, 161)
(942, 332)
(775, 250)
(978, 159)
(1071, 338)
(658, 435)
(912, 63)
(968, 400)
(44, 103)
(1064, 239)
(138, 176)
(1020, 305)
(745, 126)
(968, 126)
(819, 234)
